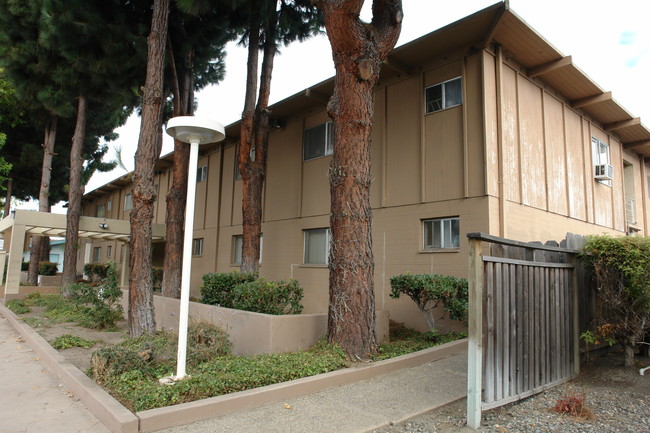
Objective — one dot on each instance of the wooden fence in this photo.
(524, 320)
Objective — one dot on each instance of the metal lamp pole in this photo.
(195, 131)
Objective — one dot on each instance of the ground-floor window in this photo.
(440, 233)
(317, 246)
(237, 243)
(197, 247)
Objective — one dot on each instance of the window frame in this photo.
(109, 251)
(97, 254)
(128, 201)
(235, 258)
(202, 173)
(444, 246)
(596, 155)
(327, 145)
(197, 242)
(443, 86)
(328, 239)
(101, 206)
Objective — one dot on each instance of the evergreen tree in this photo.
(271, 22)
(358, 49)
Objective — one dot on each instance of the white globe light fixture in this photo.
(195, 131)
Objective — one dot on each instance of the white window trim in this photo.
(443, 83)
(442, 248)
(596, 144)
(329, 135)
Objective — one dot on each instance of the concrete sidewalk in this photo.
(35, 400)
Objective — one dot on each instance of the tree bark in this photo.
(358, 50)
(177, 196)
(43, 195)
(254, 136)
(75, 192)
(141, 310)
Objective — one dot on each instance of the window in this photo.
(101, 211)
(155, 188)
(317, 246)
(128, 202)
(97, 251)
(237, 244)
(109, 251)
(197, 247)
(109, 205)
(443, 95)
(441, 233)
(236, 172)
(202, 173)
(318, 141)
(54, 258)
(602, 164)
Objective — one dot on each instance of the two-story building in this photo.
(480, 126)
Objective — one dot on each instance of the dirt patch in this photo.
(78, 356)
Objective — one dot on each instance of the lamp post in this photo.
(195, 131)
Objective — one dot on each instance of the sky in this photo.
(609, 41)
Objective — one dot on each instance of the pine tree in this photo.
(358, 49)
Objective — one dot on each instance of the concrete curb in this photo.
(109, 411)
(120, 420)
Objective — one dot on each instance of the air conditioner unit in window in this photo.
(604, 172)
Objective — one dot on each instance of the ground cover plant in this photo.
(67, 341)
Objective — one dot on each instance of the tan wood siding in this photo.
(555, 155)
(510, 134)
(490, 124)
(575, 166)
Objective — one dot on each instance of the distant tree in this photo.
(141, 311)
(270, 22)
(198, 33)
(358, 49)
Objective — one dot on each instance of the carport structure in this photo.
(22, 222)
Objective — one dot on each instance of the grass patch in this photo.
(18, 306)
(67, 341)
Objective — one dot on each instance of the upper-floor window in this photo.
(318, 141)
(317, 246)
(443, 95)
(237, 244)
(441, 233)
(128, 202)
(101, 210)
(603, 170)
(202, 173)
(197, 247)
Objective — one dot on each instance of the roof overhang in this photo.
(49, 224)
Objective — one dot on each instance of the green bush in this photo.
(67, 341)
(269, 297)
(18, 306)
(99, 304)
(96, 271)
(430, 291)
(156, 276)
(217, 287)
(621, 269)
(24, 266)
(48, 268)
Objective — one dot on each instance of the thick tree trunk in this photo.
(75, 192)
(43, 195)
(177, 196)
(141, 312)
(7, 207)
(254, 141)
(358, 50)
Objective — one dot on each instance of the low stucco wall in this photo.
(253, 333)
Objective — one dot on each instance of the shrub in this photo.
(574, 405)
(24, 266)
(18, 306)
(621, 268)
(432, 291)
(48, 268)
(269, 297)
(156, 276)
(96, 271)
(100, 304)
(217, 287)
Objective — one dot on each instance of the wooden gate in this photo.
(523, 321)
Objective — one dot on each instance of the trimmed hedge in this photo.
(48, 268)
(243, 291)
(96, 271)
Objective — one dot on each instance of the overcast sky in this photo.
(609, 41)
